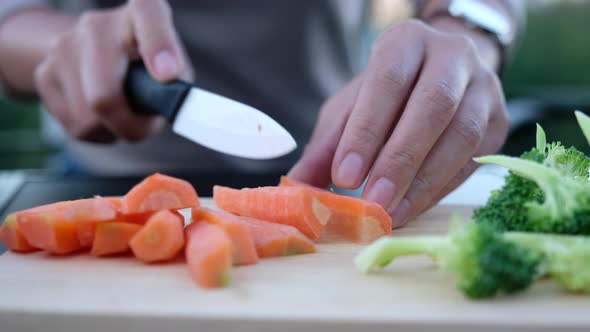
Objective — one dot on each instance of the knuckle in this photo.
(392, 78)
(463, 44)
(42, 75)
(365, 133)
(443, 97)
(490, 78)
(61, 45)
(469, 129)
(421, 184)
(404, 159)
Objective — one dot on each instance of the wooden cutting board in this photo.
(298, 293)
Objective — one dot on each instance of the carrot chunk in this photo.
(87, 228)
(272, 239)
(113, 238)
(160, 239)
(209, 255)
(352, 219)
(160, 192)
(295, 206)
(12, 237)
(54, 227)
(243, 249)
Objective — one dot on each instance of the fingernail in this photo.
(381, 192)
(350, 170)
(165, 64)
(400, 214)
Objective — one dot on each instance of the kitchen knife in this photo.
(214, 121)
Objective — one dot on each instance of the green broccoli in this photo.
(566, 204)
(481, 260)
(508, 209)
(566, 257)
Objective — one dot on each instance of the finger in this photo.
(390, 74)
(453, 150)
(84, 124)
(314, 165)
(158, 43)
(50, 92)
(429, 110)
(103, 63)
(493, 140)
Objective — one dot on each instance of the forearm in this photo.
(25, 38)
(487, 46)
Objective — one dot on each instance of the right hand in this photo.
(81, 78)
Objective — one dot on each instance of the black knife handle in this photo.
(148, 96)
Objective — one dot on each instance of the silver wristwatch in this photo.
(485, 17)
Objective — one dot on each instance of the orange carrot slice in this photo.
(243, 249)
(12, 237)
(113, 238)
(295, 206)
(160, 239)
(87, 228)
(54, 227)
(272, 239)
(160, 192)
(352, 219)
(208, 253)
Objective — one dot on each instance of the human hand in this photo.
(81, 77)
(412, 121)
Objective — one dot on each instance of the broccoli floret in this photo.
(566, 257)
(566, 204)
(569, 162)
(506, 207)
(481, 260)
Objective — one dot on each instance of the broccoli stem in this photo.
(385, 250)
(541, 139)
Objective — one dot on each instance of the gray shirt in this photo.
(283, 57)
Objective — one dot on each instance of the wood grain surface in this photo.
(299, 293)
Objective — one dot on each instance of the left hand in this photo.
(428, 101)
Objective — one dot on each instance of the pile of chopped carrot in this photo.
(254, 223)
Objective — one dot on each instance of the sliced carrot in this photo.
(12, 237)
(160, 239)
(352, 219)
(243, 249)
(272, 239)
(160, 192)
(209, 255)
(295, 206)
(113, 238)
(86, 228)
(116, 201)
(54, 227)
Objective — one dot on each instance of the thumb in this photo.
(314, 166)
(156, 38)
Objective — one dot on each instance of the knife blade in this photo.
(206, 118)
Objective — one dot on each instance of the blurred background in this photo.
(547, 79)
